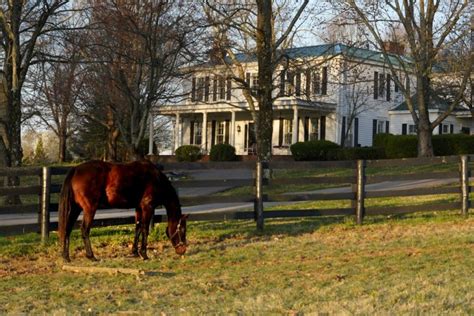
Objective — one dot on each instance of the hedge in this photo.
(312, 150)
(188, 153)
(222, 152)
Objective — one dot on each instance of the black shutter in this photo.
(306, 129)
(214, 89)
(229, 89)
(246, 137)
(343, 130)
(396, 84)
(227, 129)
(207, 84)
(387, 127)
(280, 133)
(374, 130)
(376, 85)
(404, 129)
(451, 129)
(193, 90)
(356, 132)
(381, 85)
(388, 87)
(213, 133)
(247, 79)
(308, 83)
(324, 83)
(322, 128)
(191, 134)
(440, 129)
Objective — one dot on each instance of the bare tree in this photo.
(22, 23)
(57, 87)
(252, 26)
(429, 27)
(138, 49)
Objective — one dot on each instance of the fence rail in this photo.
(353, 173)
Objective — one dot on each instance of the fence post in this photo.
(464, 175)
(360, 191)
(45, 199)
(258, 206)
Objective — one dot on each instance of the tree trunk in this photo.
(265, 76)
(62, 146)
(112, 138)
(425, 145)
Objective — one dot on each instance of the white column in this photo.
(177, 133)
(232, 129)
(151, 134)
(204, 130)
(294, 135)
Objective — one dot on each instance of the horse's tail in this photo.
(66, 202)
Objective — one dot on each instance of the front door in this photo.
(250, 139)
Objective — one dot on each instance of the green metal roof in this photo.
(437, 103)
(327, 50)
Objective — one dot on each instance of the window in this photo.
(200, 89)
(412, 129)
(290, 79)
(196, 133)
(282, 83)
(221, 88)
(214, 88)
(255, 83)
(380, 127)
(313, 135)
(287, 131)
(381, 85)
(324, 81)
(298, 84)
(445, 129)
(220, 133)
(388, 87)
(193, 90)
(316, 82)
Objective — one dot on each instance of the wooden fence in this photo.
(354, 175)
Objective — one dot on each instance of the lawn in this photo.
(419, 263)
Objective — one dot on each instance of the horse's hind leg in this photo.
(86, 228)
(75, 211)
(138, 220)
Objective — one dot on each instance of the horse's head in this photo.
(176, 229)
(176, 232)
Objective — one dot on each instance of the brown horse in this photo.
(139, 185)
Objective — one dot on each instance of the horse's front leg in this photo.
(147, 213)
(138, 220)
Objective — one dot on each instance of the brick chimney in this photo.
(393, 47)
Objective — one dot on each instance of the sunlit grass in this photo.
(409, 264)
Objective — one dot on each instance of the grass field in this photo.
(420, 263)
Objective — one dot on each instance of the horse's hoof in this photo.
(92, 258)
(135, 254)
(144, 256)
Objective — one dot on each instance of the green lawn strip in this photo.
(326, 265)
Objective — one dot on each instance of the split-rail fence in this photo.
(48, 184)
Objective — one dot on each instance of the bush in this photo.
(453, 144)
(222, 152)
(401, 146)
(188, 153)
(380, 140)
(313, 150)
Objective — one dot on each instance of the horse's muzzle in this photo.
(180, 250)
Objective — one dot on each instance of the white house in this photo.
(331, 92)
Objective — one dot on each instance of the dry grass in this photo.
(413, 264)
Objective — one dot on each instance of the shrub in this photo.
(453, 144)
(222, 152)
(188, 153)
(313, 150)
(380, 140)
(401, 146)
